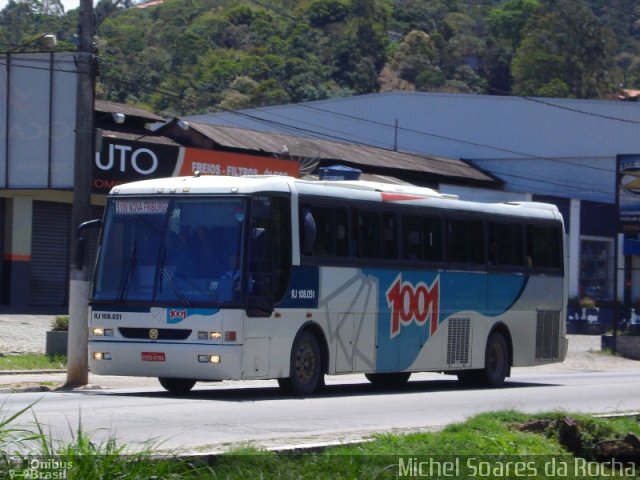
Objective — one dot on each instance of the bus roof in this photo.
(351, 189)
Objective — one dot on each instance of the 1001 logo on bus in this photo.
(413, 303)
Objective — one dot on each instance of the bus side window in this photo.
(412, 238)
(323, 231)
(466, 241)
(341, 232)
(376, 235)
(389, 240)
(544, 244)
(457, 241)
(270, 252)
(307, 231)
(432, 238)
(369, 235)
(506, 246)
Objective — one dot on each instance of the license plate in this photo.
(153, 356)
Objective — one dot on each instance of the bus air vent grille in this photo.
(548, 335)
(458, 345)
(159, 334)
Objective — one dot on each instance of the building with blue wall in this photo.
(556, 150)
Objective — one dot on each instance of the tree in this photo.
(509, 19)
(17, 22)
(415, 53)
(564, 50)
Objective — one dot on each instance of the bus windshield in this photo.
(167, 251)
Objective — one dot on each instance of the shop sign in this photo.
(628, 192)
(122, 161)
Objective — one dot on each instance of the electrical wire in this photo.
(343, 139)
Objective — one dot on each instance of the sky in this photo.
(68, 4)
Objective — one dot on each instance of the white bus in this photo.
(264, 277)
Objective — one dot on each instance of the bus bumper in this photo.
(198, 362)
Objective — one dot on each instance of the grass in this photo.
(32, 361)
(492, 445)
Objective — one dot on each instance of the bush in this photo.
(60, 323)
(587, 302)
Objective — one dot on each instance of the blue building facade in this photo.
(555, 150)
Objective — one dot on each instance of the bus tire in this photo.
(306, 376)
(391, 380)
(496, 361)
(176, 385)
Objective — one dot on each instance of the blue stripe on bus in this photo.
(303, 288)
(412, 305)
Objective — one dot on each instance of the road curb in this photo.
(26, 389)
(31, 372)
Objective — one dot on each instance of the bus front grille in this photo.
(548, 335)
(155, 333)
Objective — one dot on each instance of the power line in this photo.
(451, 139)
(590, 186)
(316, 133)
(569, 109)
(286, 126)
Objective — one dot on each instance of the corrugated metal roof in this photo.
(273, 143)
(111, 107)
(139, 138)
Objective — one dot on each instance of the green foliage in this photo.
(564, 52)
(184, 56)
(60, 323)
(32, 361)
(496, 439)
(324, 12)
(508, 20)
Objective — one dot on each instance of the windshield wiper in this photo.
(164, 273)
(128, 274)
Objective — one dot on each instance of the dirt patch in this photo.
(588, 439)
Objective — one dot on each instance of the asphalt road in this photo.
(214, 417)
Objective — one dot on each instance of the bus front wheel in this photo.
(176, 385)
(306, 375)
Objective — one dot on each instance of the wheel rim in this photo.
(306, 363)
(496, 360)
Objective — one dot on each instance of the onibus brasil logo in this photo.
(413, 303)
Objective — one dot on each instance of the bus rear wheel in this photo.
(306, 376)
(496, 365)
(496, 361)
(176, 385)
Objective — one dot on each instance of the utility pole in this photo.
(77, 361)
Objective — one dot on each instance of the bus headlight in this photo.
(209, 358)
(209, 335)
(102, 332)
(101, 356)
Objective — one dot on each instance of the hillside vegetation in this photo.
(192, 56)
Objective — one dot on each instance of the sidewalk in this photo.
(27, 333)
(23, 333)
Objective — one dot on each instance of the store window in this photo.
(596, 268)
